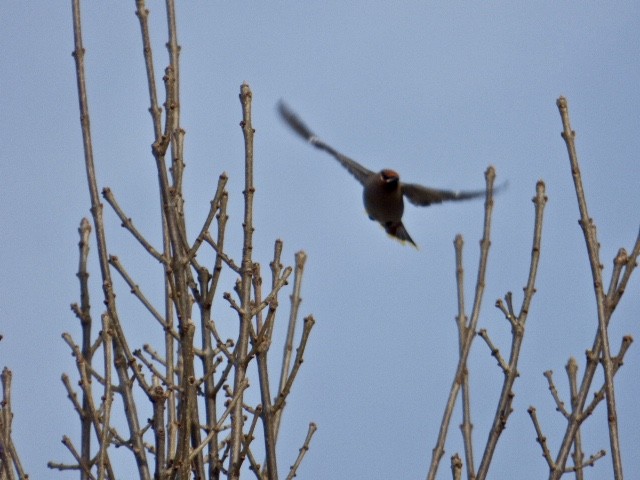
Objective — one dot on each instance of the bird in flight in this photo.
(383, 191)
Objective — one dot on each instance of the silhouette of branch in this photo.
(10, 464)
(600, 351)
(438, 450)
(461, 321)
(303, 450)
(518, 324)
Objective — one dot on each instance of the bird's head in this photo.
(389, 178)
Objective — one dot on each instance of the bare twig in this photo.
(177, 446)
(554, 393)
(135, 290)
(85, 323)
(601, 343)
(159, 402)
(303, 450)
(96, 211)
(248, 438)
(495, 352)
(461, 321)
(438, 450)
(309, 322)
(104, 464)
(142, 13)
(517, 336)
(300, 259)
(281, 282)
(261, 346)
(540, 438)
(88, 409)
(215, 205)
(155, 372)
(630, 263)
(235, 400)
(456, 467)
(218, 249)
(600, 394)
(128, 224)
(240, 354)
(156, 115)
(590, 462)
(10, 464)
(578, 454)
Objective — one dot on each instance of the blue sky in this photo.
(435, 91)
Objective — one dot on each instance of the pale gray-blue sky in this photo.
(437, 92)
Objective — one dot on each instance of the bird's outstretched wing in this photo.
(294, 122)
(424, 196)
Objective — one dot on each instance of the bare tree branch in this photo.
(554, 393)
(172, 393)
(578, 454)
(96, 211)
(10, 464)
(438, 450)
(601, 346)
(540, 438)
(461, 321)
(517, 336)
(240, 353)
(456, 467)
(303, 450)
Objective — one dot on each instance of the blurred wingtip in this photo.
(502, 187)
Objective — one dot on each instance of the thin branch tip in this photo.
(562, 103)
(490, 173)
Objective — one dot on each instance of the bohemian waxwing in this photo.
(383, 191)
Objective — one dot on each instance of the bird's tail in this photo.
(398, 231)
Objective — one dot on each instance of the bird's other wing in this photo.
(298, 126)
(424, 196)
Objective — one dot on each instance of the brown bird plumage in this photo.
(383, 191)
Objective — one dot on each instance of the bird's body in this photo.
(383, 192)
(382, 198)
